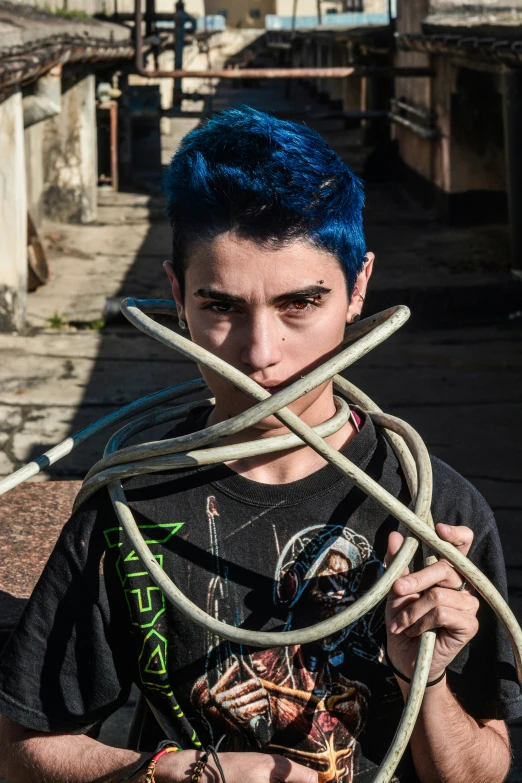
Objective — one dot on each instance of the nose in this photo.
(262, 342)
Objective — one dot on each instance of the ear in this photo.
(176, 290)
(360, 288)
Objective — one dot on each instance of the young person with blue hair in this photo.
(269, 265)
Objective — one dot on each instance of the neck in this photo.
(290, 465)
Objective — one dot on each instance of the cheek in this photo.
(308, 350)
(214, 337)
(329, 331)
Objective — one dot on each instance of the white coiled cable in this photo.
(195, 449)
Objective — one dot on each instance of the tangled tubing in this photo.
(194, 449)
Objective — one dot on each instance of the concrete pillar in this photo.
(13, 216)
(166, 63)
(70, 156)
(33, 139)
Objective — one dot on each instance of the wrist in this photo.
(433, 691)
(433, 679)
(176, 767)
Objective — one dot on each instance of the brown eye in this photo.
(301, 304)
(221, 308)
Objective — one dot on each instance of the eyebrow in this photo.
(302, 293)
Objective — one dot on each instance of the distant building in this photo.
(48, 134)
(454, 119)
(459, 131)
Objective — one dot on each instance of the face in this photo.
(274, 314)
(331, 588)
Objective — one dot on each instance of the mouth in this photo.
(274, 388)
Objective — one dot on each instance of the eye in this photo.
(221, 308)
(306, 304)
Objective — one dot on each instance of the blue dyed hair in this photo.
(266, 180)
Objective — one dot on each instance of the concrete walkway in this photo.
(455, 372)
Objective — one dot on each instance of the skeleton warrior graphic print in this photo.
(300, 701)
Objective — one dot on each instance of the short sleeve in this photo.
(483, 676)
(64, 668)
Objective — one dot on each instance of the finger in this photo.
(459, 535)
(242, 689)
(286, 771)
(463, 624)
(438, 596)
(440, 573)
(246, 711)
(395, 541)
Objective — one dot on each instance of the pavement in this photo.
(454, 372)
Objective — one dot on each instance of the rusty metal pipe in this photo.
(414, 127)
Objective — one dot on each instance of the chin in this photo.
(273, 423)
(238, 402)
(270, 423)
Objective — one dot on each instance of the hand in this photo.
(429, 599)
(242, 702)
(237, 767)
(260, 768)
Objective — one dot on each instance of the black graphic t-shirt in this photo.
(266, 557)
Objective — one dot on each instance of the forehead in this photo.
(238, 265)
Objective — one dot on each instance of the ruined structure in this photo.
(455, 131)
(48, 160)
(458, 132)
(437, 90)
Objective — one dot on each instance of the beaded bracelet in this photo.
(198, 769)
(149, 775)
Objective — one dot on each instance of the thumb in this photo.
(395, 541)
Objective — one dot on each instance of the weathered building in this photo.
(451, 104)
(48, 138)
(441, 81)
(458, 131)
(75, 114)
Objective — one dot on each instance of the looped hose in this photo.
(203, 448)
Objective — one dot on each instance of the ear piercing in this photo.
(356, 289)
(356, 318)
(182, 325)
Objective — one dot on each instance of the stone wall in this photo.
(70, 156)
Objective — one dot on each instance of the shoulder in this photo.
(98, 508)
(82, 540)
(457, 502)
